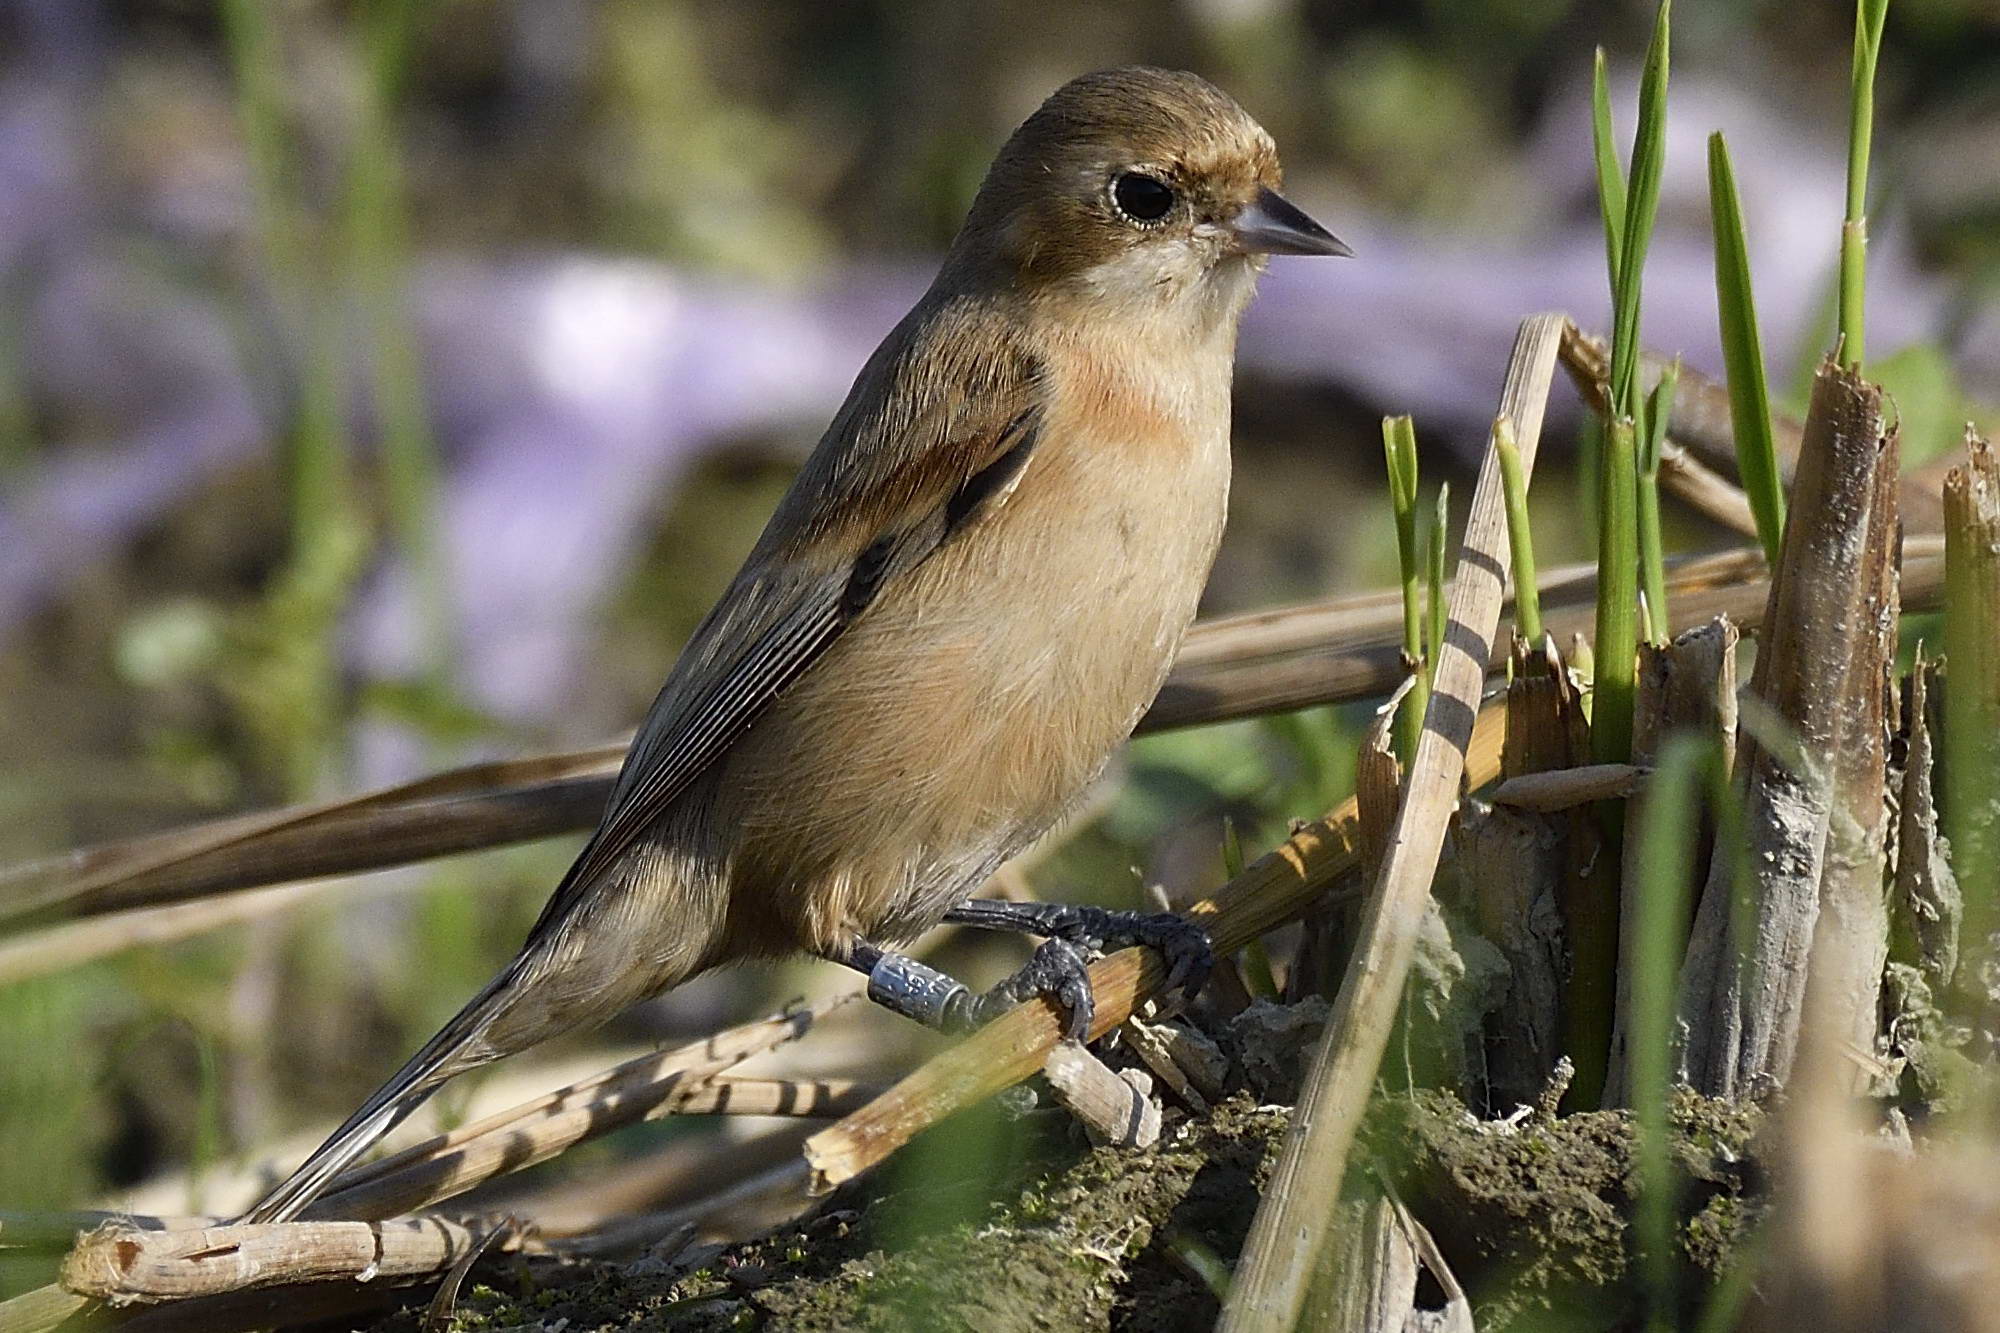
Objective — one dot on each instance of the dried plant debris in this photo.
(1528, 1214)
(1084, 1246)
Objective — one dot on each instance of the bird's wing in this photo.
(933, 434)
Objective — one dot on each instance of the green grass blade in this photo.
(1520, 536)
(1743, 355)
(1617, 639)
(1642, 202)
(1610, 176)
(1399, 446)
(1652, 553)
(1656, 940)
(1869, 18)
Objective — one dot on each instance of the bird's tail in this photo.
(448, 1053)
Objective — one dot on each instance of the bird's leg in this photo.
(1181, 944)
(920, 992)
(917, 991)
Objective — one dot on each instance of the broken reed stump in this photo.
(1743, 985)
(1926, 904)
(1524, 873)
(1972, 680)
(1851, 939)
(1686, 686)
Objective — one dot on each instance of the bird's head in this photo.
(1135, 192)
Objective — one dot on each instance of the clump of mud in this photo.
(1534, 1214)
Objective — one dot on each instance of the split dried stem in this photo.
(1288, 1236)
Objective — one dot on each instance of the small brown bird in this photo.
(960, 609)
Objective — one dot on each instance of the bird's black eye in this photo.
(1142, 198)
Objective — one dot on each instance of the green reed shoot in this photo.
(1869, 17)
(1657, 933)
(1642, 202)
(1399, 446)
(1610, 175)
(1743, 355)
(1652, 556)
(1618, 525)
(1520, 536)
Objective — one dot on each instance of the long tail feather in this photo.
(442, 1057)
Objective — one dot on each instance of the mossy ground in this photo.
(1533, 1216)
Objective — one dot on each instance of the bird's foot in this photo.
(925, 995)
(1182, 945)
(1058, 970)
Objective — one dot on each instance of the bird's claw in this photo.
(1057, 970)
(1182, 945)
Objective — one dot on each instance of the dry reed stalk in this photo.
(316, 1251)
(1375, 1287)
(1868, 1234)
(1154, 1045)
(666, 1083)
(768, 1196)
(209, 1279)
(309, 1284)
(41, 953)
(1705, 490)
(1114, 1109)
(123, 1267)
(1744, 981)
(1510, 866)
(719, 1094)
(1547, 733)
(1269, 667)
(682, 1173)
(1560, 789)
(1378, 784)
(1288, 1237)
(478, 805)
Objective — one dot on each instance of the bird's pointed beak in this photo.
(1272, 225)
